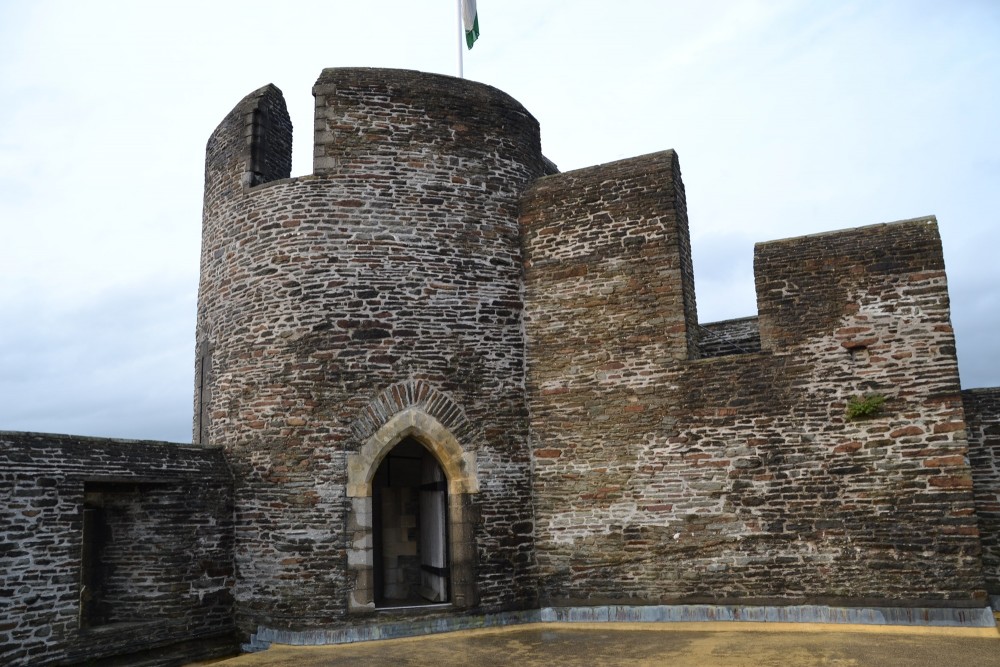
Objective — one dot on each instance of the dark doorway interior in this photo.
(410, 504)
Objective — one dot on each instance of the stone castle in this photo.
(440, 384)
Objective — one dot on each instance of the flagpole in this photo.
(461, 36)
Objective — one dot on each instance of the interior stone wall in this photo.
(168, 557)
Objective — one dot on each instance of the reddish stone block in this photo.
(950, 482)
(945, 462)
(949, 427)
(548, 453)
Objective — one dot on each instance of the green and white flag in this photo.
(470, 19)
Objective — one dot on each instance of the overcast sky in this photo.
(789, 118)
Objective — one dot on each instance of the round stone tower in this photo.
(361, 351)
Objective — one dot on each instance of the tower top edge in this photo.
(427, 83)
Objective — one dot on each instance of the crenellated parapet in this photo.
(252, 145)
(750, 465)
(440, 385)
(807, 285)
(436, 291)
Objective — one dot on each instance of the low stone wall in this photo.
(970, 619)
(113, 547)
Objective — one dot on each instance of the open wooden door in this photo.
(434, 570)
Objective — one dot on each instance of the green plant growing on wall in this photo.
(863, 407)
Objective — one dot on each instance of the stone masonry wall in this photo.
(739, 478)
(170, 573)
(610, 315)
(397, 263)
(982, 418)
(738, 336)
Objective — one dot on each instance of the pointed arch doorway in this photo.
(410, 528)
(451, 482)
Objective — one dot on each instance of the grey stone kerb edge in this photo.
(971, 620)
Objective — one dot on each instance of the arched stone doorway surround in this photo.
(411, 409)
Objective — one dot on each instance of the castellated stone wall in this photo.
(387, 282)
(435, 282)
(156, 570)
(661, 478)
(982, 416)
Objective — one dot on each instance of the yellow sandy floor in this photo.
(646, 644)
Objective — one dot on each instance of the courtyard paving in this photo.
(675, 644)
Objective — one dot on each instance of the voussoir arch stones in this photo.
(412, 409)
